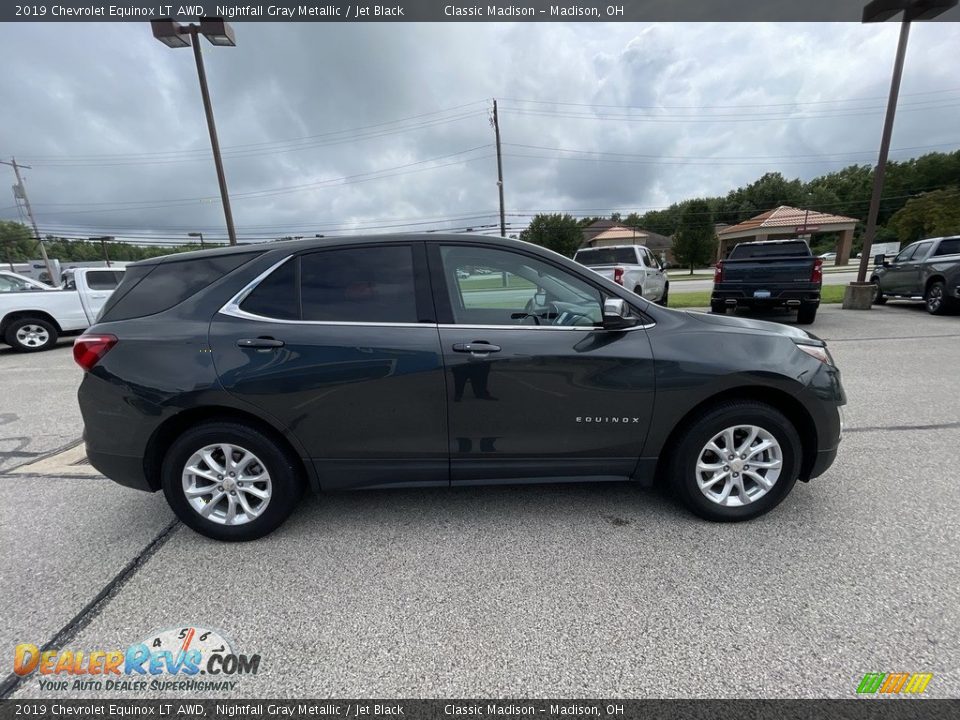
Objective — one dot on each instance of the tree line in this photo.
(921, 198)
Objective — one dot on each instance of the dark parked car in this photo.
(233, 378)
(927, 270)
(769, 273)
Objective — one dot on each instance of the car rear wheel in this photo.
(31, 335)
(736, 461)
(935, 298)
(230, 482)
(806, 314)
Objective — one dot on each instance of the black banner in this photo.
(452, 11)
(853, 709)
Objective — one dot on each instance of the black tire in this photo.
(43, 339)
(935, 298)
(665, 298)
(878, 297)
(719, 308)
(279, 462)
(806, 314)
(638, 290)
(682, 472)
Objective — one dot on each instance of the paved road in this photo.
(536, 591)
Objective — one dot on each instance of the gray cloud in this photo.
(110, 118)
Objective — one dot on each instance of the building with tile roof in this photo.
(789, 222)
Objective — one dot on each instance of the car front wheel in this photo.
(935, 298)
(878, 297)
(736, 461)
(230, 482)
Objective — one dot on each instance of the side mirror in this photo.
(616, 314)
(880, 259)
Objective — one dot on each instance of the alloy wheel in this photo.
(934, 297)
(33, 336)
(226, 484)
(739, 465)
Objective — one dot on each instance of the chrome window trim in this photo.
(232, 308)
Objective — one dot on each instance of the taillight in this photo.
(88, 349)
(718, 272)
(618, 275)
(817, 274)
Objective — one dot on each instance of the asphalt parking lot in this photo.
(563, 591)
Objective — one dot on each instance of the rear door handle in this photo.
(260, 343)
(479, 348)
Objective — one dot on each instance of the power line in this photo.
(748, 106)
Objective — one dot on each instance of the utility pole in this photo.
(496, 130)
(103, 246)
(20, 191)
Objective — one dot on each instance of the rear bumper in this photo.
(122, 469)
(807, 294)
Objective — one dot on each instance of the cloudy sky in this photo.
(342, 128)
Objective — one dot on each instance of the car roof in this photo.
(613, 247)
(773, 242)
(325, 242)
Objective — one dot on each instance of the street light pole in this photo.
(219, 33)
(214, 140)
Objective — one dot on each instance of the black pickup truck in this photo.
(769, 273)
(927, 270)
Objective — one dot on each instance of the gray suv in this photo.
(927, 270)
(233, 379)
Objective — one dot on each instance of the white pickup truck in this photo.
(32, 318)
(633, 266)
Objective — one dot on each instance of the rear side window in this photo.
(950, 246)
(606, 256)
(364, 284)
(149, 289)
(743, 252)
(922, 250)
(103, 279)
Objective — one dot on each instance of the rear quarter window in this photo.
(948, 247)
(150, 289)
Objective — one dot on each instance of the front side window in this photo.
(905, 254)
(489, 286)
(363, 284)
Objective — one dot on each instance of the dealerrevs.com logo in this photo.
(183, 659)
(894, 683)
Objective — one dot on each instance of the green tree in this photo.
(560, 233)
(928, 215)
(16, 242)
(695, 242)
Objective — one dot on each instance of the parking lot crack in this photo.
(83, 618)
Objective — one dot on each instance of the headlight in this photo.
(816, 351)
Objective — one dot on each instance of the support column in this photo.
(844, 245)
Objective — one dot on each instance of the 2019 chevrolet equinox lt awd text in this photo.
(233, 379)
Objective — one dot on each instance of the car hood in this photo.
(741, 323)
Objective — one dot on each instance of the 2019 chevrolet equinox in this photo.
(233, 379)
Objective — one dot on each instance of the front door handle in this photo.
(260, 343)
(477, 348)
